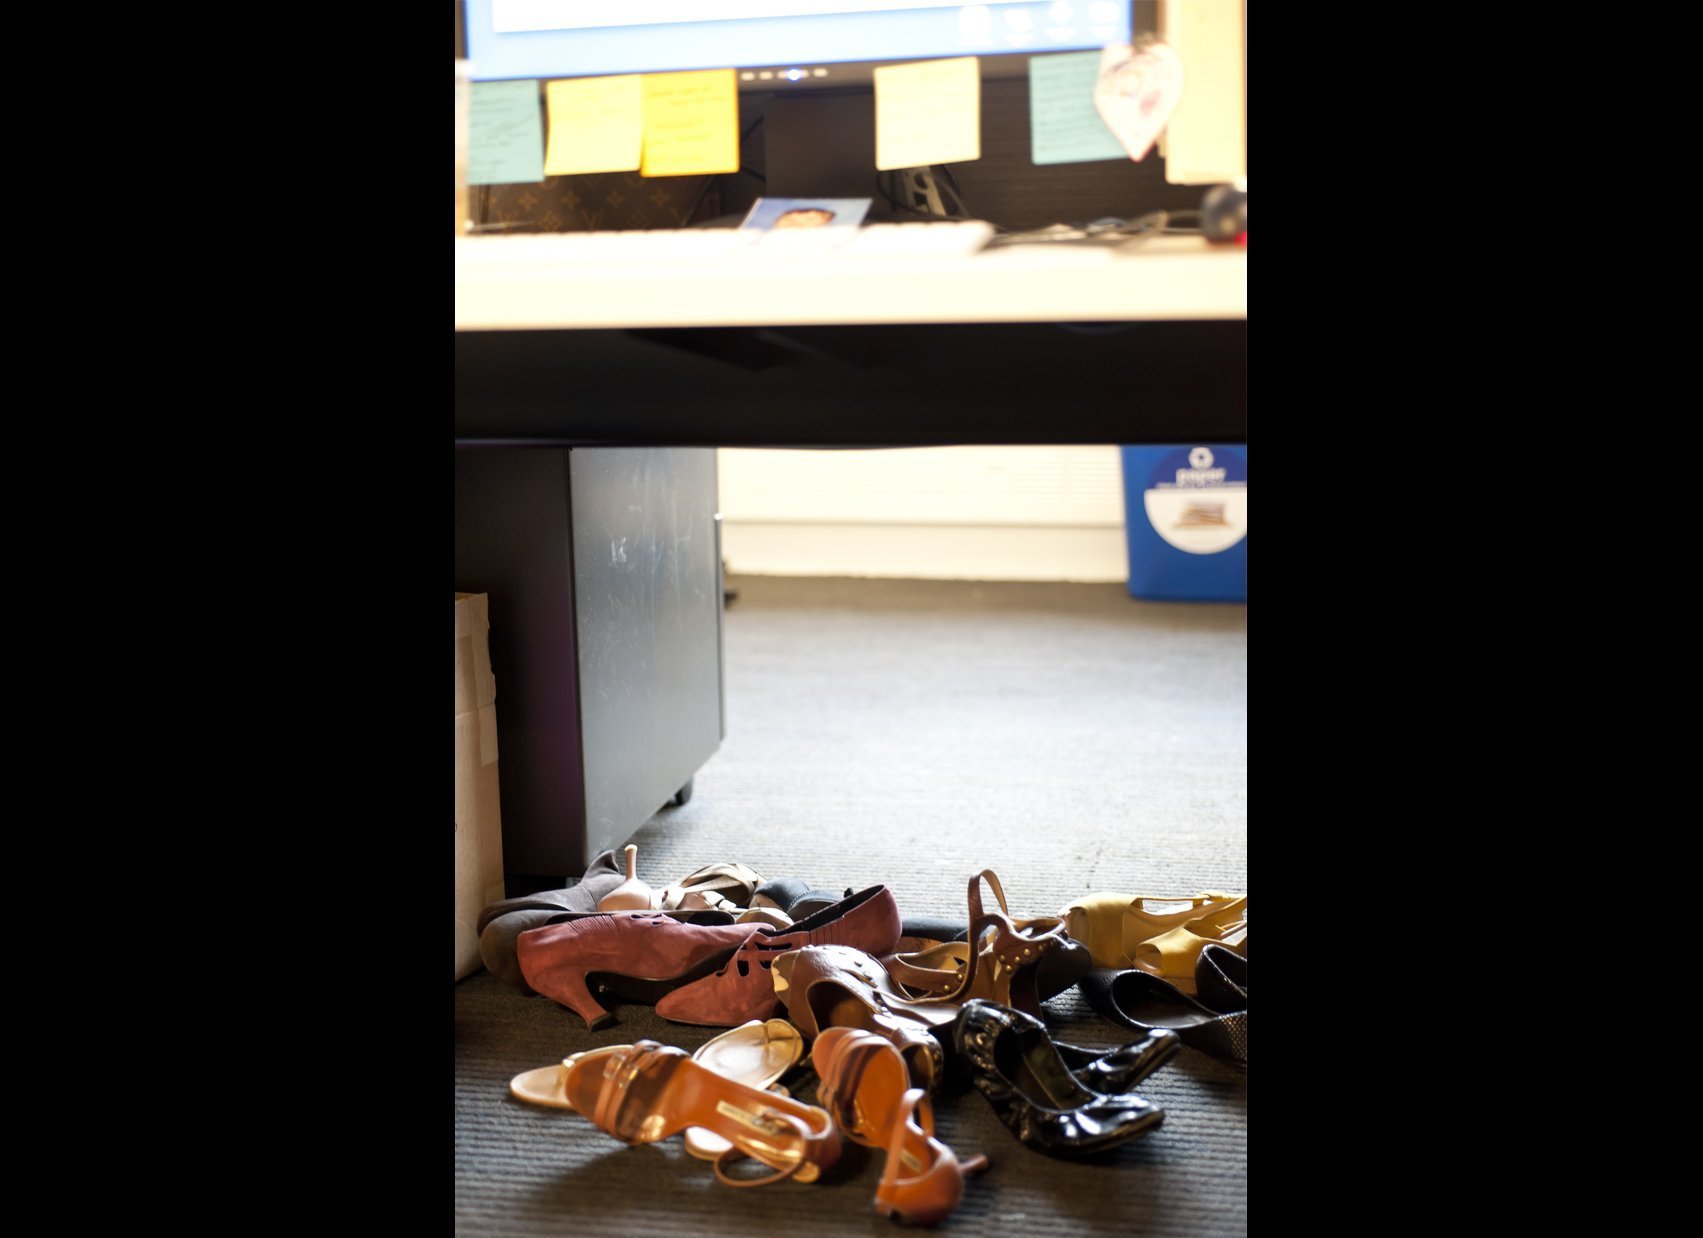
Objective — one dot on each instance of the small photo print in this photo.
(787, 214)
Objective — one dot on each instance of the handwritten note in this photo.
(505, 134)
(691, 123)
(1064, 125)
(597, 124)
(928, 113)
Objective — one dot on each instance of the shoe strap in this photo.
(913, 1125)
(749, 950)
(713, 880)
(992, 878)
(812, 1145)
(1021, 924)
(735, 1153)
(840, 1077)
(619, 1072)
(912, 975)
(1219, 922)
(980, 922)
(1195, 900)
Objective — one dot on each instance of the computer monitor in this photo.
(776, 45)
(804, 67)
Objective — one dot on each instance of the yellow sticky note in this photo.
(691, 123)
(596, 125)
(928, 113)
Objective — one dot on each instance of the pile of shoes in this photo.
(893, 1013)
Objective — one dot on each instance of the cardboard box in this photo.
(478, 823)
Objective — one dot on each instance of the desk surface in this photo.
(1040, 343)
(1163, 279)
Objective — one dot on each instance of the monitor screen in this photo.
(776, 44)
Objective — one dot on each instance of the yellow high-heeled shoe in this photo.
(1113, 925)
(1172, 956)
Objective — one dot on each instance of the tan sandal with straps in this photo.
(646, 1092)
(1000, 963)
(721, 887)
(756, 1054)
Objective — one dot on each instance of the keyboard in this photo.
(745, 247)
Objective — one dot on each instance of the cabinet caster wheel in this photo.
(680, 797)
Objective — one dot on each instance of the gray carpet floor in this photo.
(1068, 737)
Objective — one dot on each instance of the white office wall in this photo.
(968, 513)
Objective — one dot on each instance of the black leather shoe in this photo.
(1142, 1001)
(1016, 1065)
(1061, 967)
(1112, 1072)
(1221, 979)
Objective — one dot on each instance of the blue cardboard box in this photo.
(1186, 520)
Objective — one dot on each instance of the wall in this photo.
(970, 513)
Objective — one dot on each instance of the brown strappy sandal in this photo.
(825, 987)
(1003, 962)
(867, 1089)
(647, 1091)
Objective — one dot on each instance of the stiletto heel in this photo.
(632, 894)
(927, 1196)
(867, 1089)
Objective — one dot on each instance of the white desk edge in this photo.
(1167, 278)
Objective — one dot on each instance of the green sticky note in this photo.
(505, 135)
(1064, 126)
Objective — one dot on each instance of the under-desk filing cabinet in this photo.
(603, 566)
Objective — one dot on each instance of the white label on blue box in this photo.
(1197, 499)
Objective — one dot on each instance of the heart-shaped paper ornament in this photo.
(1137, 91)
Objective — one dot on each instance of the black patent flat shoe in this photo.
(1015, 1064)
(1113, 1072)
(1110, 1072)
(1142, 1001)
